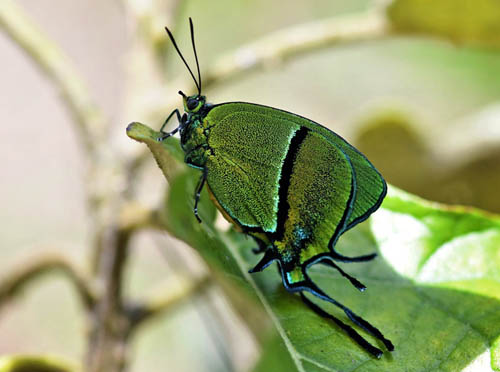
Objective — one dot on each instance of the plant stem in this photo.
(109, 328)
(88, 119)
(28, 272)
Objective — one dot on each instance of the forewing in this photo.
(244, 171)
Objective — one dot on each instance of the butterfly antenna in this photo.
(195, 54)
(182, 57)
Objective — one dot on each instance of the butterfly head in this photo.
(194, 103)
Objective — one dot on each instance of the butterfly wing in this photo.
(371, 187)
(254, 153)
(244, 171)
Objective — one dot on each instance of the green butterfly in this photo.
(290, 183)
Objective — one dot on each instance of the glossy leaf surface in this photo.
(434, 290)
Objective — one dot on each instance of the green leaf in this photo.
(213, 246)
(434, 244)
(276, 357)
(462, 21)
(32, 363)
(436, 295)
(434, 290)
(452, 257)
(168, 154)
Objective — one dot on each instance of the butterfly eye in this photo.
(192, 103)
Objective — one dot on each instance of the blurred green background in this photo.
(426, 112)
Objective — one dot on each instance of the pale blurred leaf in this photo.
(462, 21)
(32, 363)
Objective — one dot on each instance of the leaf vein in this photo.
(316, 363)
(289, 345)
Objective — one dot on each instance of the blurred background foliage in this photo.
(422, 102)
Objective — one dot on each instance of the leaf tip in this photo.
(140, 132)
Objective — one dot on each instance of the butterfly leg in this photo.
(261, 248)
(268, 258)
(356, 319)
(165, 135)
(356, 283)
(197, 193)
(348, 329)
(338, 257)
